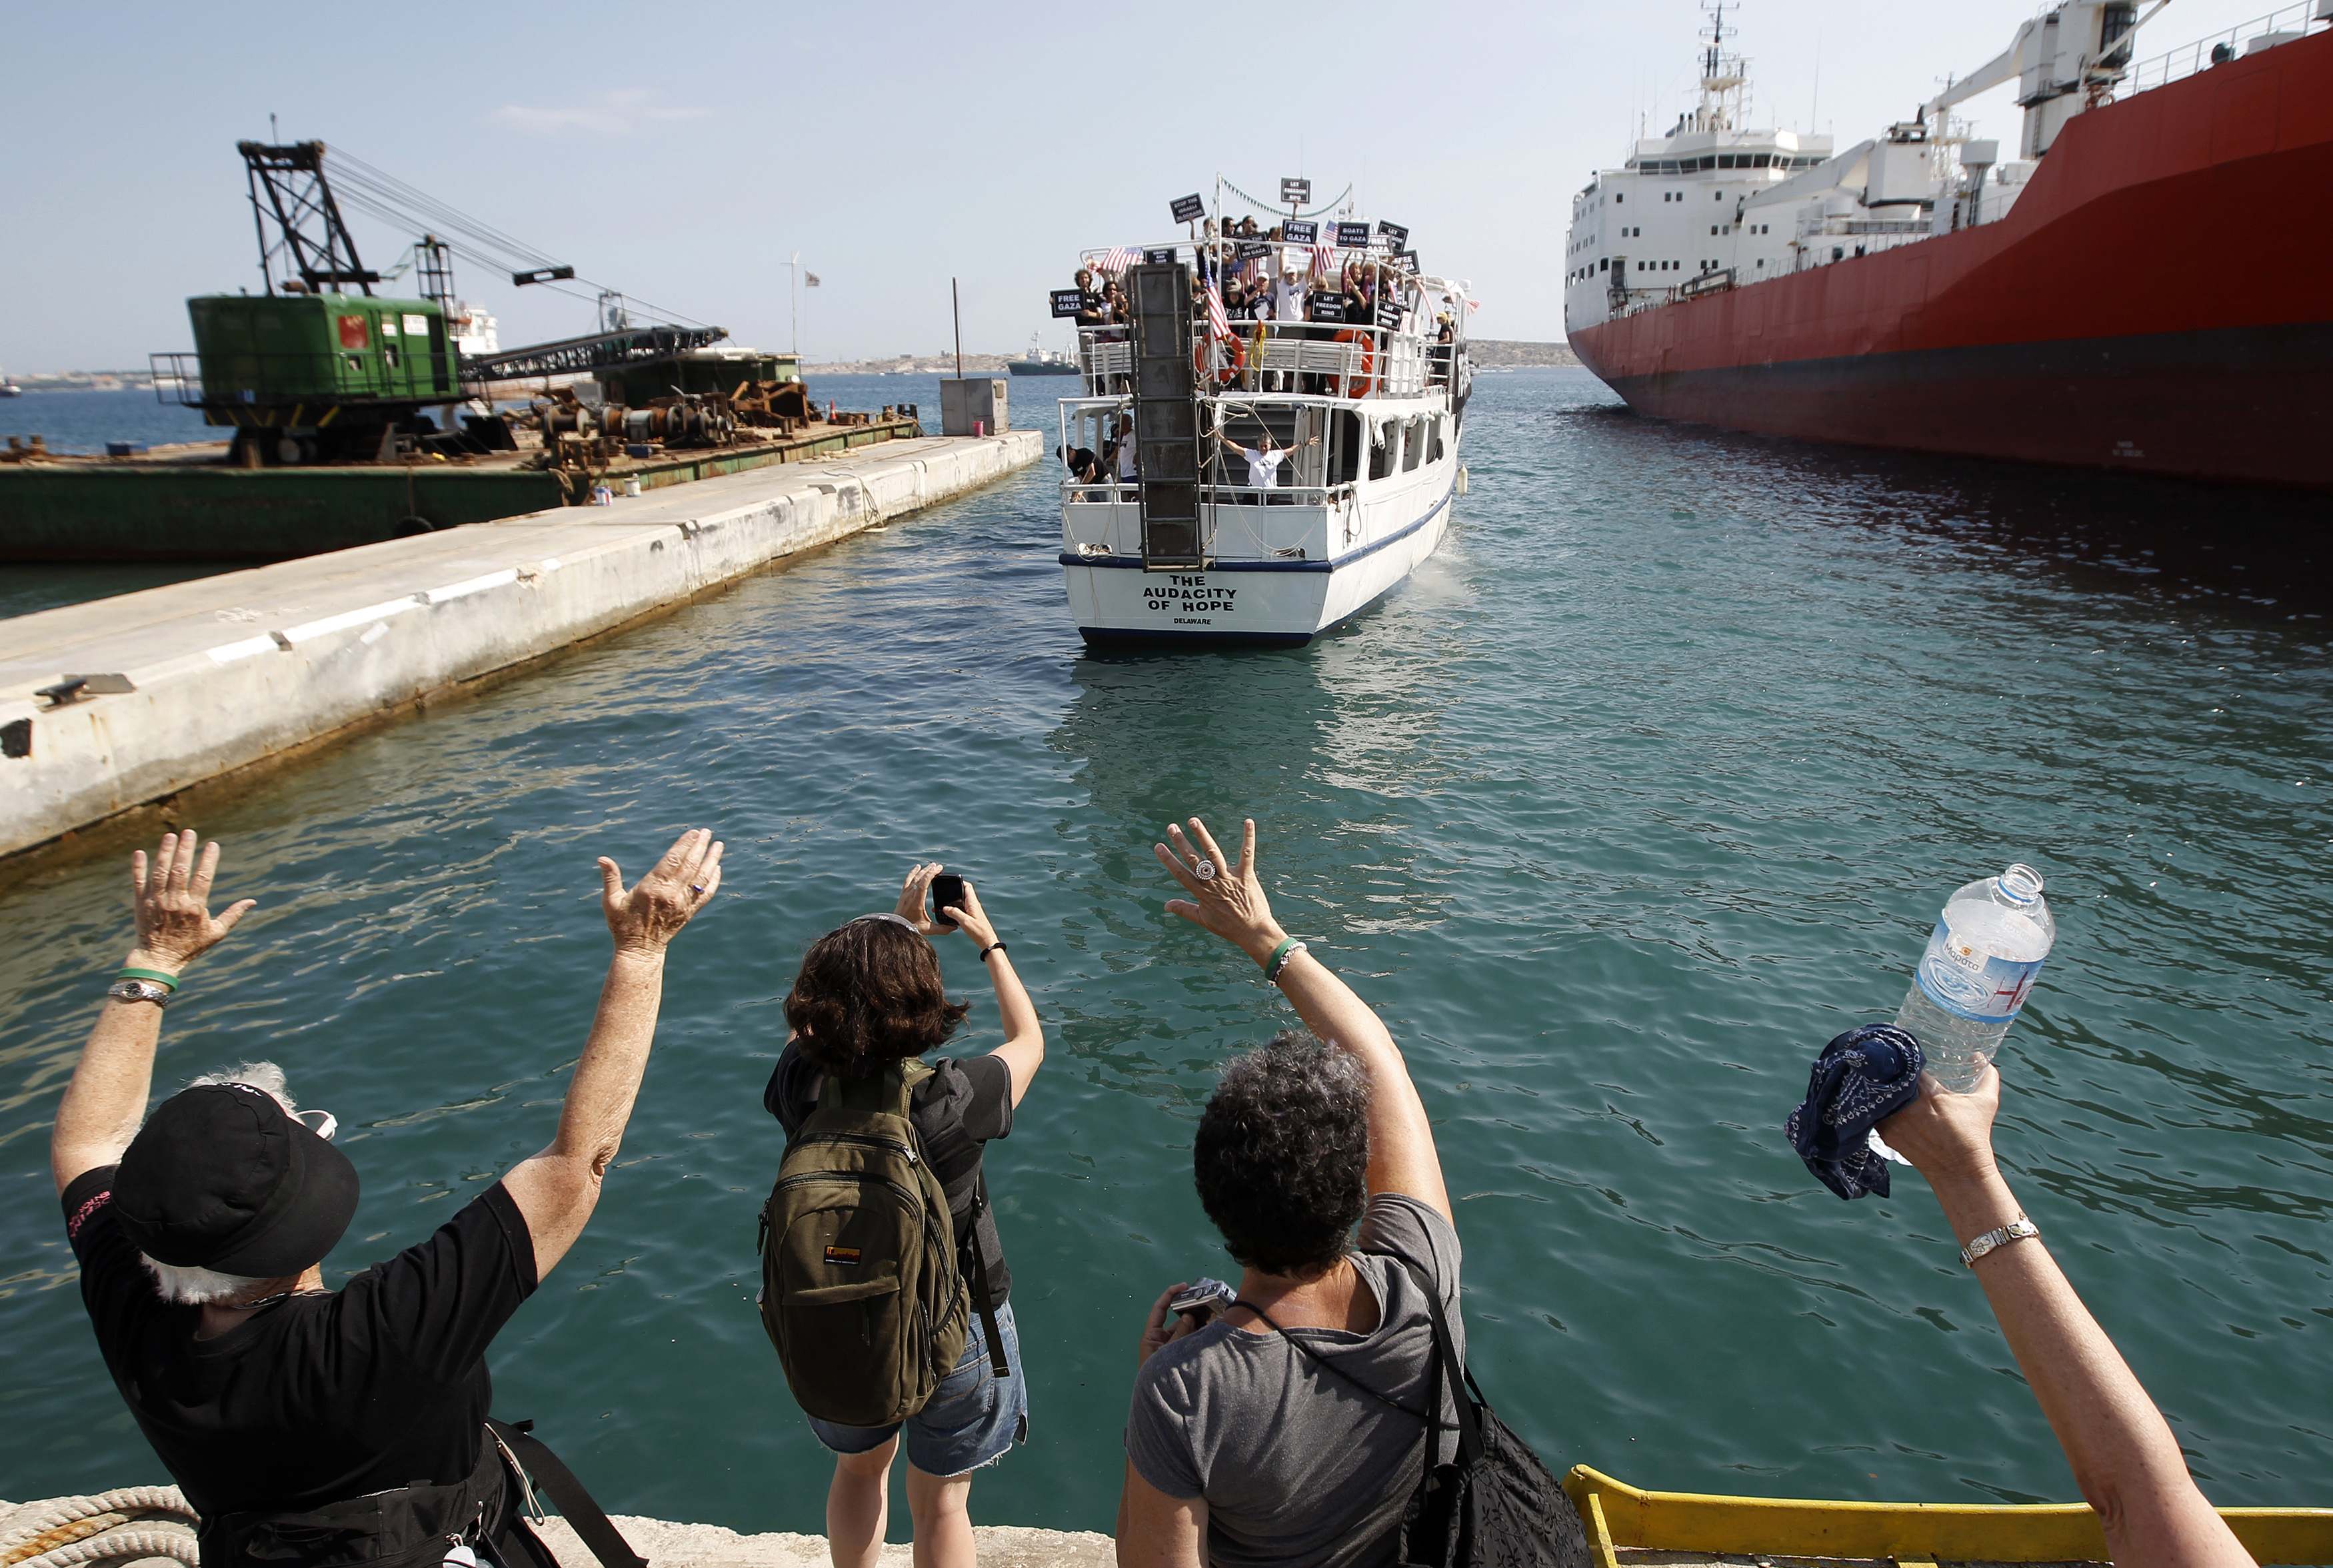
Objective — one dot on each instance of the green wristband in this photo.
(159, 977)
(1288, 947)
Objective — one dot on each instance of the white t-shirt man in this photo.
(1263, 466)
(1126, 474)
(1287, 299)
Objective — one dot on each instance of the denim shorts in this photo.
(974, 1417)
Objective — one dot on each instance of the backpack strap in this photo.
(575, 1504)
(887, 1093)
(980, 1296)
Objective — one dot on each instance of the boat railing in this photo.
(1321, 357)
(2285, 24)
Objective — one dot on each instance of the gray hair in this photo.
(190, 1287)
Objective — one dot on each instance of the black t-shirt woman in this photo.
(869, 996)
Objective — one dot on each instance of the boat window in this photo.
(1729, 160)
(1413, 444)
(1382, 458)
(1618, 197)
(1434, 439)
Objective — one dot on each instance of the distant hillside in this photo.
(1491, 354)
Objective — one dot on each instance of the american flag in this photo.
(1220, 322)
(1324, 259)
(1473, 306)
(1119, 260)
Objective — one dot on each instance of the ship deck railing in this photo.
(2286, 24)
(1328, 357)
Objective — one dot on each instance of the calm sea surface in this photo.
(1650, 782)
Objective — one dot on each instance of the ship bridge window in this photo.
(1729, 160)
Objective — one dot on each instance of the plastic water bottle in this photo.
(1980, 967)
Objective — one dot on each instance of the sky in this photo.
(683, 154)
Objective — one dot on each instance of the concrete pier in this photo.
(197, 679)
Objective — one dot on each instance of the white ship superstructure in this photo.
(1259, 481)
(1717, 203)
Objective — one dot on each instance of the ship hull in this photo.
(2147, 305)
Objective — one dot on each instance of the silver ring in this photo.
(1204, 870)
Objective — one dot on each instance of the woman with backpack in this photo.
(884, 1283)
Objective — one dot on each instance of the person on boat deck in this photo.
(1122, 452)
(1263, 462)
(1120, 308)
(274, 1399)
(1090, 309)
(1288, 294)
(1268, 1433)
(868, 997)
(2124, 1455)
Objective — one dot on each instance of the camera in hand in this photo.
(1204, 1297)
(948, 892)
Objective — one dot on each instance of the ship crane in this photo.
(2081, 47)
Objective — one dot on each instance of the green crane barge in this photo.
(328, 390)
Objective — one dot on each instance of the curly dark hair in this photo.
(1281, 1159)
(870, 994)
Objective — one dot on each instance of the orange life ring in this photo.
(1232, 367)
(1358, 386)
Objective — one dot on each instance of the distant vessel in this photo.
(9, 388)
(2135, 290)
(1354, 414)
(1044, 361)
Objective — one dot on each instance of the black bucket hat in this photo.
(221, 1177)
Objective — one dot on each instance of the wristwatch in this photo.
(138, 990)
(2018, 1230)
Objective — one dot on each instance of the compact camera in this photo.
(1204, 1297)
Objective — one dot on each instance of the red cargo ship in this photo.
(2144, 289)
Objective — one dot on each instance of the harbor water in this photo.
(1642, 789)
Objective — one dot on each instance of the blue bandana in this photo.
(1861, 1078)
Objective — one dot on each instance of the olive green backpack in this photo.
(863, 1288)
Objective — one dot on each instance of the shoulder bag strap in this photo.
(1464, 1396)
(590, 1522)
(1325, 1364)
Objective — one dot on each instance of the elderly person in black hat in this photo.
(305, 1422)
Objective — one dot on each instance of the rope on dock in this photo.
(128, 1525)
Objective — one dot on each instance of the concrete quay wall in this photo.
(228, 671)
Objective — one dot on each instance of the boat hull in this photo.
(2144, 305)
(1117, 603)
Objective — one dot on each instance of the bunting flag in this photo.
(1473, 306)
(810, 280)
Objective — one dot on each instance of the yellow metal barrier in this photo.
(1617, 1515)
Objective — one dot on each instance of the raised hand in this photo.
(1226, 899)
(971, 920)
(171, 900)
(915, 895)
(652, 913)
(1947, 1136)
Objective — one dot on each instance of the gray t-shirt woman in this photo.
(1297, 1465)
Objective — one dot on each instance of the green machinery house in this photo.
(329, 374)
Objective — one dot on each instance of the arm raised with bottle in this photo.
(2124, 1455)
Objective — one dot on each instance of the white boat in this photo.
(1206, 544)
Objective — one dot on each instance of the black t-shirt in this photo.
(961, 1106)
(317, 1399)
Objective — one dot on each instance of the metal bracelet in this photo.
(2018, 1230)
